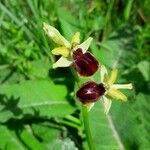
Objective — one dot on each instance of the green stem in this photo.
(75, 76)
(85, 115)
(87, 127)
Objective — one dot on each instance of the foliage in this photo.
(37, 105)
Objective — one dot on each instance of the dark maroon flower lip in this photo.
(85, 64)
(90, 92)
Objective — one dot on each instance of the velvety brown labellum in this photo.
(85, 64)
(90, 92)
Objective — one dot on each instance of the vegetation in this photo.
(38, 107)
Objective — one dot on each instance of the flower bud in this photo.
(85, 64)
(90, 92)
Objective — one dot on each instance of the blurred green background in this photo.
(38, 110)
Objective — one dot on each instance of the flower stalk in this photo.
(85, 115)
(87, 127)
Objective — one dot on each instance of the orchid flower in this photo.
(90, 92)
(65, 47)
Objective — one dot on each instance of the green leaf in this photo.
(144, 67)
(117, 50)
(8, 76)
(14, 18)
(127, 10)
(30, 140)
(102, 129)
(9, 140)
(51, 136)
(47, 132)
(142, 127)
(39, 98)
(39, 69)
(132, 122)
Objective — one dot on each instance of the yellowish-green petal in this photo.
(112, 77)
(114, 93)
(103, 73)
(122, 86)
(64, 51)
(54, 34)
(62, 62)
(107, 104)
(85, 45)
(75, 39)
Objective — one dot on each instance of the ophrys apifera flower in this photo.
(72, 53)
(91, 91)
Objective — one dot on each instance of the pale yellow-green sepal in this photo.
(114, 93)
(103, 73)
(122, 86)
(107, 104)
(75, 39)
(89, 106)
(85, 45)
(112, 77)
(54, 34)
(64, 51)
(62, 62)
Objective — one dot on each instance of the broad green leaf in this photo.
(104, 134)
(144, 67)
(39, 69)
(9, 140)
(47, 132)
(26, 135)
(38, 97)
(51, 136)
(142, 105)
(132, 121)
